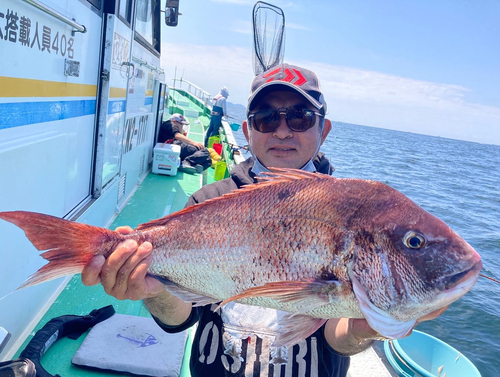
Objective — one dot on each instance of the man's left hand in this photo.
(360, 329)
(353, 335)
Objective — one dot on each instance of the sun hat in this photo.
(224, 91)
(179, 118)
(302, 80)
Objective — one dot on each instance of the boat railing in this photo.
(45, 8)
(143, 62)
(195, 90)
(228, 142)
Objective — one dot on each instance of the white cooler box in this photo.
(166, 159)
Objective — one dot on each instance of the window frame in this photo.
(130, 11)
(154, 47)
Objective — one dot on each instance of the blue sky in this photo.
(430, 67)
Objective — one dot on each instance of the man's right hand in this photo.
(198, 145)
(123, 273)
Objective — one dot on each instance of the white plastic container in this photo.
(166, 159)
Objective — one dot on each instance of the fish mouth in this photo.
(462, 282)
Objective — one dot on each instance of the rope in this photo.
(487, 277)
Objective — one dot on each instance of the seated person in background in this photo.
(194, 157)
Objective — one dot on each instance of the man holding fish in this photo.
(285, 128)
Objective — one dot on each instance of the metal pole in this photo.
(56, 14)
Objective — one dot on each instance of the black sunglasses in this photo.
(298, 120)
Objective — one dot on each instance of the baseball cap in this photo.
(179, 118)
(302, 80)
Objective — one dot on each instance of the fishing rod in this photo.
(236, 146)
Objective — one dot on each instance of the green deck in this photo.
(183, 103)
(157, 196)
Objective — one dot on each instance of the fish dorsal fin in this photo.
(157, 222)
(274, 177)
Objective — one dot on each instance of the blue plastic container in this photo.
(235, 126)
(421, 354)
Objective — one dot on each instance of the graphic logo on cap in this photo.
(287, 75)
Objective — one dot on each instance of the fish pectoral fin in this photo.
(294, 328)
(379, 320)
(306, 295)
(184, 293)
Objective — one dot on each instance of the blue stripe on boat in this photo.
(24, 113)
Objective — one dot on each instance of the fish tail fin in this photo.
(68, 245)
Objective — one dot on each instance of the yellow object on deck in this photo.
(220, 170)
(214, 156)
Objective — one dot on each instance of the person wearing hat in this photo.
(193, 154)
(218, 112)
(285, 128)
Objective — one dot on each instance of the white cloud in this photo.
(211, 67)
(242, 27)
(290, 25)
(382, 100)
(353, 95)
(245, 27)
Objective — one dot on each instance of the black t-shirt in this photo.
(168, 131)
(312, 357)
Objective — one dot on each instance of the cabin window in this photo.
(144, 20)
(96, 3)
(125, 10)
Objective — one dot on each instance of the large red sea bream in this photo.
(308, 244)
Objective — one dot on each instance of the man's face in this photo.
(284, 148)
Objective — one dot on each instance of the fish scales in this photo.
(282, 226)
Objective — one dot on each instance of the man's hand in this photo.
(123, 274)
(185, 139)
(198, 145)
(353, 335)
(360, 329)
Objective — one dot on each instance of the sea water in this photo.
(459, 182)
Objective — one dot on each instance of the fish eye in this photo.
(414, 240)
